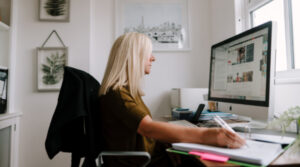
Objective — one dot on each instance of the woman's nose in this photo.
(152, 58)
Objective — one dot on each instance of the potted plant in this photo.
(286, 119)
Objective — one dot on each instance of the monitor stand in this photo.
(256, 117)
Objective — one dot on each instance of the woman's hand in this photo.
(224, 138)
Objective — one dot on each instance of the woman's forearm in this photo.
(172, 133)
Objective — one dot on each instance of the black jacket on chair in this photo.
(75, 126)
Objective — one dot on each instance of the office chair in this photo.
(125, 154)
(75, 125)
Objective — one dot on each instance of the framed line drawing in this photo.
(164, 21)
(54, 10)
(50, 67)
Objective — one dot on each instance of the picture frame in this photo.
(164, 21)
(50, 66)
(3, 89)
(49, 10)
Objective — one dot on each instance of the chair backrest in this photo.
(75, 123)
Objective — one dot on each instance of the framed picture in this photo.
(50, 67)
(54, 10)
(164, 21)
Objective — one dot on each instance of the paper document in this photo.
(261, 153)
(270, 138)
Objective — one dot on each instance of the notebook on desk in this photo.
(260, 153)
(279, 139)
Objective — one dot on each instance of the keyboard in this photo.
(183, 123)
(253, 125)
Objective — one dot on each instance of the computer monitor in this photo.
(242, 71)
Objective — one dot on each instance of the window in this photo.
(261, 15)
(296, 30)
(288, 28)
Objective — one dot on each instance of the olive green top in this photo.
(120, 117)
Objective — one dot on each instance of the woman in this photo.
(127, 122)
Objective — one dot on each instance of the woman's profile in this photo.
(127, 123)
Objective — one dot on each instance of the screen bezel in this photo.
(267, 25)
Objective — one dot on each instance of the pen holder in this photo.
(181, 114)
(213, 106)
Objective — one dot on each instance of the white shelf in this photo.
(3, 26)
(9, 115)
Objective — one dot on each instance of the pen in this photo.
(223, 124)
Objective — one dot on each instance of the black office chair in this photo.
(75, 126)
(124, 154)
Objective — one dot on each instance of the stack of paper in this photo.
(206, 115)
(255, 152)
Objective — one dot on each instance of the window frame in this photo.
(244, 22)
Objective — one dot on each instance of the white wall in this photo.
(186, 69)
(171, 69)
(287, 95)
(89, 36)
(38, 107)
(222, 20)
(4, 36)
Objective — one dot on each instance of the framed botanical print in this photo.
(50, 64)
(54, 10)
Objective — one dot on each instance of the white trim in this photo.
(12, 55)
(240, 16)
(288, 37)
(255, 4)
(9, 115)
(288, 77)
(3, 26)
(250, 7)
(280, 81)
(247, 16)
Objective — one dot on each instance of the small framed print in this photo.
(54, 10)
(51, 62)
(164, 21)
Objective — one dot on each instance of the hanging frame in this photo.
(51, 11)
(50, 65)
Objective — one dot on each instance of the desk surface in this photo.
(289, 158)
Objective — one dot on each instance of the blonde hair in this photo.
(125, 66)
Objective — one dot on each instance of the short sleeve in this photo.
(133, 110)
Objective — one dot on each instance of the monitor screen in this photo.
(240, 68)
